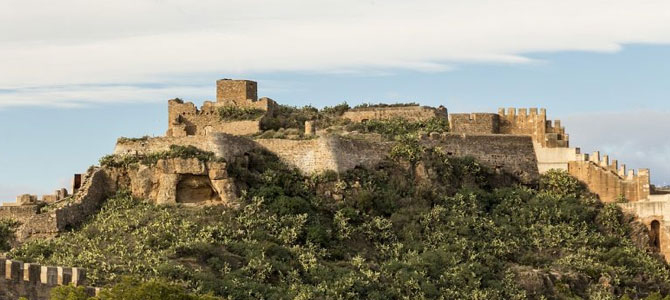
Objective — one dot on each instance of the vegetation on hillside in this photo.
(235, 113)
(397, 128)
(290, 117)
(373, 105)
(452, 231)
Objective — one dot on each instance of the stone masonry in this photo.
(34, 282)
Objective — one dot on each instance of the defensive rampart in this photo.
(511, 154)
(412, 113)
(609, 180)
(34, 282)
(532, 122)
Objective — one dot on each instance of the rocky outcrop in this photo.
(176, 180)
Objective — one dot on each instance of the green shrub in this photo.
(7, 233)
(372, 105)
(234, 113)
(68, 292)
(398, 127)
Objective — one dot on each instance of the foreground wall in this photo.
(34, 282)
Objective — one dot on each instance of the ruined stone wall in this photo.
(85, 203)
(33, 281)
(326, 153)
(475, 123)
(18, 213)
(512, 154)
(609, 180)
(223, 145)
(186, 119)
(412, 113)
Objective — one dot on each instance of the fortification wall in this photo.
(326, 153)
(186, 119)
(556, 158)
(18, 213)
(475, 123)
(648, 212)
(609, 180)
(412, 113)
(522, 121)
(535, 124)
(86, 202)
(33, 281)
(512, 154)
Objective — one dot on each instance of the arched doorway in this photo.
(655, 236)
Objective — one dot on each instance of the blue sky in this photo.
(78, 79)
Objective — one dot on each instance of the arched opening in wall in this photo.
(655, 236)
(195, 189)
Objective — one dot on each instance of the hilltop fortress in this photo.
(520, 142)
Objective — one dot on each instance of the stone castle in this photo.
(519, 142)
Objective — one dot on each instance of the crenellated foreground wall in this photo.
(33, 281)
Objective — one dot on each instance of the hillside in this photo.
(422, 225)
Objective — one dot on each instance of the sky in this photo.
(75, 76)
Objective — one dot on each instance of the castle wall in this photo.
(555, 158)
(412, 113)
(535, 124)
(475, 123)
(18, 213)
(34, 282)
(512, 154)
(185, 119)
(236, 92)
(649, 211)
(326, 153)
(86, 202)
(610, 182)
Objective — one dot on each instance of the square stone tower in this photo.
(236, 92)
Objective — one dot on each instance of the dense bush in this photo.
(287, 117)
(366, 105)
(235, 113)
(452, 233)
(7, 236)
(175, 151)
(399, 127)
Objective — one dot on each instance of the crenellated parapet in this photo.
(533, 122)
(523, 121)
(34, 281)
(610, 180)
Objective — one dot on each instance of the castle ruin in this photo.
(520, 142)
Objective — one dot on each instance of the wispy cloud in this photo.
(77, 44)
(637, 139)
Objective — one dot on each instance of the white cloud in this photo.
(78, 42)
(76, 96)
(637, 139)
